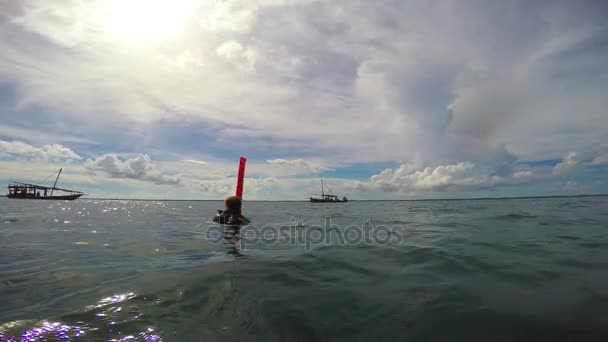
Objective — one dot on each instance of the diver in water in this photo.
(232, 215)
(232, 219)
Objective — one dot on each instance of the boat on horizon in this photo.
(327, 198)
(20, 190)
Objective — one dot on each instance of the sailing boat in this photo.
(40, 192)
(326, 198)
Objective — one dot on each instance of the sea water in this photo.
(460, 270)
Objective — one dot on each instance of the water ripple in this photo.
(485, 270)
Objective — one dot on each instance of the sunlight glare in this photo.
(146, 19)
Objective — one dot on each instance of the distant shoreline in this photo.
(354, 200)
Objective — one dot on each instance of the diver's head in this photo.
(234, 204)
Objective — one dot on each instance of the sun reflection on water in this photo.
(104, 313)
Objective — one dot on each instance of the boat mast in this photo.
(322, 190)
(56, 179)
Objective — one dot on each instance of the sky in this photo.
(384, 99)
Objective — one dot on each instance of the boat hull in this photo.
(327, 198)
(319, 200)
(32, 197)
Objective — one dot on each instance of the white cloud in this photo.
(53, 152)
(571, 162)
(299, 165)
(463, 175)
(230, 49)
(193, 161)
(525, 176)
(579, 160)
(216, 187)
(140, 167)
(235, 53)
(254, 188)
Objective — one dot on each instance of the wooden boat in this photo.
(327, 198)
(19, 190)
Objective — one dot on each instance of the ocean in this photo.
(453, 270)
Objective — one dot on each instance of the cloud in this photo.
(230, 50)
(235, 53)
(139, 167)
(216, 187)
(53, 152)
(358, 82)
(201, 162)
(448, 91)
(570, 163)
(579, 160)
(254, 187)
(299, 165)
(42, 136)
(601, 159)
(463, 175)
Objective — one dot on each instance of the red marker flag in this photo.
(241, 177)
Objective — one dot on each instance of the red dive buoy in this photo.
(241, 177)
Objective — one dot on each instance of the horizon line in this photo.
(354, 200)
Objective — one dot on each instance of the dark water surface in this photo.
(480, 270)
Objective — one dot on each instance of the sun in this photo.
(146, 19)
